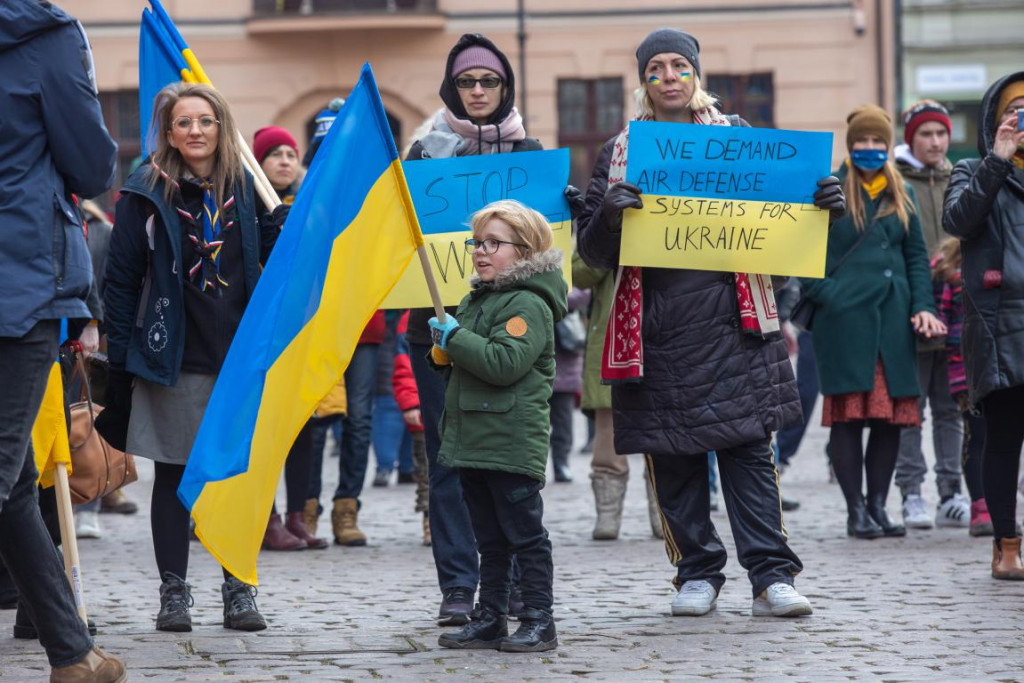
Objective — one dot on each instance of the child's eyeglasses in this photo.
(184, 123)
(467, 83)
(489, 246)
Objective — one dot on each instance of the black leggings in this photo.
(169, 520)
(1004, 436)
(974, 452)
(850, 461)
(298, 468)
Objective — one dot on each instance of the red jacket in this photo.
(406, 395)
(375, 330)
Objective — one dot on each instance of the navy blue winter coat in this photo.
(143, 296)
(52, 143)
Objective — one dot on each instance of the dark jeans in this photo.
(563, 404)
(788, 439)
(751, 492)
(357, 425)
(25, 546)
(316, 473)
(453, 542)
(507, 513)
(1004, 435)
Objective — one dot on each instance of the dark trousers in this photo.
(973, 453)
(25, 546)
(788, 439)
(305, 454)
(562, 405)
(1004, 435)
(507, 514)
(453, 542)
(357, 425)
(750, 487)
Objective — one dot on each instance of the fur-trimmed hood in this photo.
(540, 273)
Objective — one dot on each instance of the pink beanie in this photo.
(477, 57)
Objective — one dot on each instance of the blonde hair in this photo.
(227, 165)
(530, 227)
(895, 198)
(643, 107)
(948, 260)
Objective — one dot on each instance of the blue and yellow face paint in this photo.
(654, 79)
(684, 77)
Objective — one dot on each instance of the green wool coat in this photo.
(863, 310)
(596, 396)
(496, 413)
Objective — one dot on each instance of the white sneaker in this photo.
(780, 600)
(87, 525)
(915, 513)
(694, 599)
(954, 512)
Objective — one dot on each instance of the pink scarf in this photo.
(623, 358)
(502, 135)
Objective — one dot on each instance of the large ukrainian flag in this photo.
(349, 237)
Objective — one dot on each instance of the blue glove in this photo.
(442, 332)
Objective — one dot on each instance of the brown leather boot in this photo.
(1006, 562)
(96, 667)
(278, 538)
(343, 520)
(311, 515)
(297, 528)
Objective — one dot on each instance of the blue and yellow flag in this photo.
(50, 430)
(349, 237)
(161, 63)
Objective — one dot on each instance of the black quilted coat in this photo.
(706, 386)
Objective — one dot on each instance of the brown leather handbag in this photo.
(97, 468)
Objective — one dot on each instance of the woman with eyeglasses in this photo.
(479, 117)
(188, 244)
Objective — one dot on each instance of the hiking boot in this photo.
(311, 515)
(780, 600)
(486, 631)
(175, 601)
(694, 599)
(536, 633)
(955, 511)
(344, 517)
(240, 612)
(609, 496)
(456, 604)
(95, 667)
(276, 537)
(981, 520)
(915, 513)
(296, 526)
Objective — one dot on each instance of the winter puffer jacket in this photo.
(985, 208)
(706, 385)
(496, 413)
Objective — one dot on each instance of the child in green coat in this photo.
(500, 366)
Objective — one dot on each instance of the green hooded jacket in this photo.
(496, 413)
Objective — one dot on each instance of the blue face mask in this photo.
(869, 159)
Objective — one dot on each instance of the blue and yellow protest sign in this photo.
(446, 192)
(726, 198)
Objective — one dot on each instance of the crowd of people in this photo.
(921, 305)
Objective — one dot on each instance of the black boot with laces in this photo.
(175, 601)
(486, 631)
(240, 612)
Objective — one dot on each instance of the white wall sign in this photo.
(952, 78)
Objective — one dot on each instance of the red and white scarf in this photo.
(623, 358)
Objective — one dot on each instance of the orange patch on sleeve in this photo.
(516, 326)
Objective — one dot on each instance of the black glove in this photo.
(280, 215)
(616, 198)
(112, 422)
(831, 198)
(575, 199)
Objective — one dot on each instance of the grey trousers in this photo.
(947, 432)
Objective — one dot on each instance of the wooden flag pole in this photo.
(435, 293)
(263, 187)
(68, 539)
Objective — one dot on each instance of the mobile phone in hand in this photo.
(1020, 119)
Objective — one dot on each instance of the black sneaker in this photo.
(240, 612)
(175, 601)
(486, 631)
(536, 633)
(456, 604)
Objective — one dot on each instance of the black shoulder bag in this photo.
(802, 316)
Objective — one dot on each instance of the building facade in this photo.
(799, 64)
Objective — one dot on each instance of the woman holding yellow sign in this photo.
(696, 365)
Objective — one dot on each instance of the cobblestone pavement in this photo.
(919, 608)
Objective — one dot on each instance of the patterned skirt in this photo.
(871, 405)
